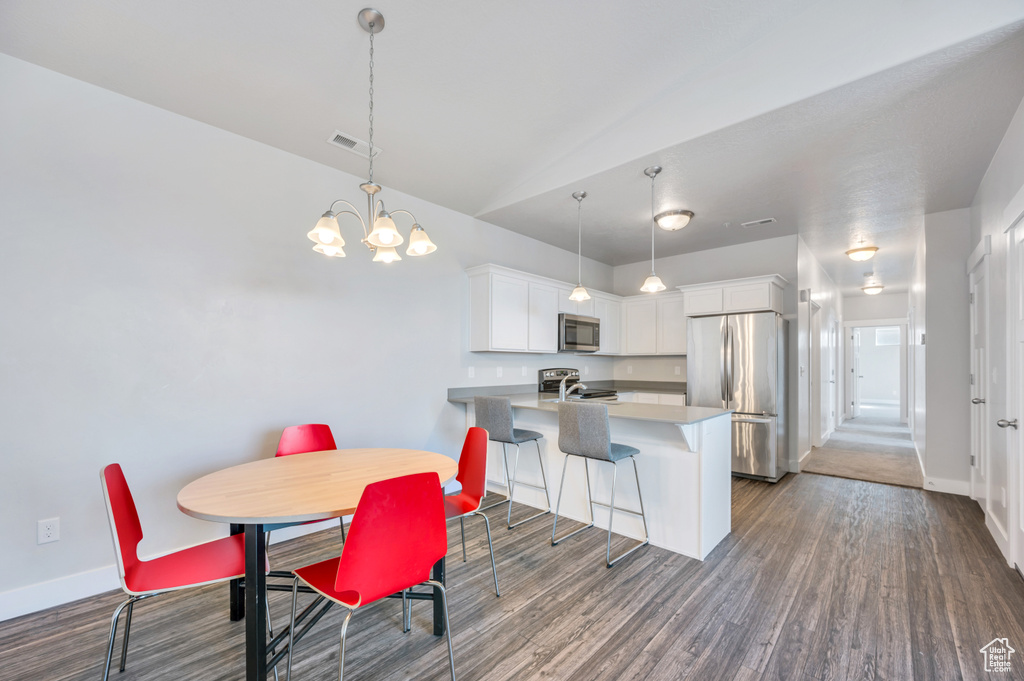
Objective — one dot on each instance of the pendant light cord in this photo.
(371, 104)
(652, 223)
(579, 241)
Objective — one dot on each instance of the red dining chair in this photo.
(473, 477)
(310, 437)
(397, 534)
(216, 561)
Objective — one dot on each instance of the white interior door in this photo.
(832, 377)
(980, 422)
(815, 378)
(1015, 443)
(855, 375)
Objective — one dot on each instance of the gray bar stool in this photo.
(583, 431)
(494, 414)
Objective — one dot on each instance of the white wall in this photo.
(162, 308)
(1003, 180)
(941, 365)
(858, 307)
(810, 399)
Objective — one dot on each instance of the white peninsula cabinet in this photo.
(654, 324)
(513, 311)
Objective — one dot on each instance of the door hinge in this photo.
(972, 459)
(972, 299)
(972, 379)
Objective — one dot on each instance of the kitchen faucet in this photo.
(563, 392)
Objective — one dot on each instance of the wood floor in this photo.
(821, 578)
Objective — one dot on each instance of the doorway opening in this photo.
(872, 442)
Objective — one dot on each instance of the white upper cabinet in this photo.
(543, 324)
(609, 311)
(654, 324)
(752, 294)
(512, 311)
(671, 325)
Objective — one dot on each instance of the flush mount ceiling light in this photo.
(671, 220)
(653, 283)
(871, 286)
(579, 294)
(862, 253)
(384, 237)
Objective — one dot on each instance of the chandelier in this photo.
(384, 238)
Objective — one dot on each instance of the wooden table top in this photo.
(302, 487)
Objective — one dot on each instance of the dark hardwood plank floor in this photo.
(822, 578)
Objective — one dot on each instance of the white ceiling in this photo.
(836, 118)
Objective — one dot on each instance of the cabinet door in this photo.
(510, 306)
(704, 301)
(543, 325)
(748, 297)
(610, 314)
(671, 326)
(641, 327)
(564, 304)
(586, 308)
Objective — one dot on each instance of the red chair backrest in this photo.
(311, 437)
(397, 534)
(473, 464)
(123, 517)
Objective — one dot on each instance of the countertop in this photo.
(660, 413)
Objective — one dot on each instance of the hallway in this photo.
(875, 447)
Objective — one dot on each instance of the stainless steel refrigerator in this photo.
(738, 362)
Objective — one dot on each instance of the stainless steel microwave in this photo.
(577, 333)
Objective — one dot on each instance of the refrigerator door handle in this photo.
(732, 366)
(722, 364)
(752, 419)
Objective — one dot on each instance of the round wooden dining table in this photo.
(295, 489)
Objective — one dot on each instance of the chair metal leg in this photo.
(504, 458)
(270, 630)
(543, 477)
(113, 633)
(512, 484)
(490, 547)
(341, 655)
(127, 633)
(341, 524)
(608, 559)
(406, 612)
(462, 528)
(447, 627)
(291, 628)
(558, 503)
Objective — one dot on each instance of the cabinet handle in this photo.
(1003, 423)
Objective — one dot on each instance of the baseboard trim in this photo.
(36, 597)
(960, 487)
(62, 590)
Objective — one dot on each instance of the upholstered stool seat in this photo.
(584, 431)
(494, 414)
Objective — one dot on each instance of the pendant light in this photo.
(384, 237)
(653, 283)
(871, 286)
(579, 294)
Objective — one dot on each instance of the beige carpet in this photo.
(872, 448)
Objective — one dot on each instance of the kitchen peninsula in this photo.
(684, 467)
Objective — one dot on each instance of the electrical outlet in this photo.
(499, 372)
(472, 372)
(586, 370)
(629, 369)
(47, 530)
(679, 370)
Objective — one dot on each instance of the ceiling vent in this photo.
(757, 223)
(350, 143)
